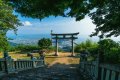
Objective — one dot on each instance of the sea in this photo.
(32, 39)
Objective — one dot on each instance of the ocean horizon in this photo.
(33, 38)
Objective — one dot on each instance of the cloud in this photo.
(27, 23)
(60, 25)
(67, 25)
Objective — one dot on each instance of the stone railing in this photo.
(95, 71)
(8, 65)
(2, 66)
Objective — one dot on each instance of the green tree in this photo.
(3, 42)
(88, 44)
(107, 18)
(104, 13)
(8, 21)
(44, 43)
(112, 56)
(109, 51)
(106, 44)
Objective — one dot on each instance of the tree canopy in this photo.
(104, 13)
(44, 43)
(8, 21)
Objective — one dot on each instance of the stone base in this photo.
(56, 54)
(72, 55)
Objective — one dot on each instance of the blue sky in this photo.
(58, 24)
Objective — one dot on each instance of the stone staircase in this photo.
(45, 73)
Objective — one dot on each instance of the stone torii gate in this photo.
(71, 36)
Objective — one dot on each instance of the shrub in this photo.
(23, 48)
(106, 44)
(88, 44)
(112, 56)
(44, 43)
(111, 51)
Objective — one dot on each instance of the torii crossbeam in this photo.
(71, 36)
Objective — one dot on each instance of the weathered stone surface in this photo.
(59, 69)
(52, 73)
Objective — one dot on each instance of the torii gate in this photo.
(71, 36)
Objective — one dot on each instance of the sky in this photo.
(58, 24)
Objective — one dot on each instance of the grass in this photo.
(73, 60)
(63, 58)
(16, 55)
(49, 58)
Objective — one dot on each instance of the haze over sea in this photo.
(33, 38)
(34, 29)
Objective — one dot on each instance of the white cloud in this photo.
(68, 25)
(27, 23)
(85, 27)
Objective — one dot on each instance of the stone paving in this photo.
(64, 68)
(46, 73)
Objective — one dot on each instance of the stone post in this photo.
(6, 54)
(34, 63)
(99, 60)
(9, 63)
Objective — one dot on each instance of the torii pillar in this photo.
(57, 37)
(72, 41)
(56, 52)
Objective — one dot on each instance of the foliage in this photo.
(44, 43)
(50, 49)
(93, 51)
(23, 48)
(31, 48)
(107, 18)
(104, 13)
(112, 56)
(3, 42)
(41, 9)
(88, 44)
(8, 21)
(110, 51)
(106, 44)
